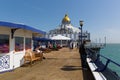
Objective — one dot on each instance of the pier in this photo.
(64, 64)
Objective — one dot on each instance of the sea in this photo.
(112, 51)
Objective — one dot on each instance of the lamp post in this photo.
(81, 25)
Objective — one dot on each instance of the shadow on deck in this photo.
(71, 68)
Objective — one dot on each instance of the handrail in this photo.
(110, 60)
(88, 50)
(95, 59)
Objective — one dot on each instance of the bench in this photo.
(93, 67)
(46, 50)
(31, 56)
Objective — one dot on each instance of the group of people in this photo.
(73, 45)
(82, 52)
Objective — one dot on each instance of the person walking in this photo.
(71, 45)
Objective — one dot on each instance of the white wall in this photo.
(6, 57)
(14, 59)
(4, 30)
(18, 56)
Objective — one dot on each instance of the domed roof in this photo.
(66, 18)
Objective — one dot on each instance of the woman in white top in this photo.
(39, 53)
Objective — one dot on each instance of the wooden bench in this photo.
(46, 50)
(31, 56)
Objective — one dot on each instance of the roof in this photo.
(21, 26)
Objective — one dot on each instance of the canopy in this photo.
(41, 39)
(20, 26)
(60, 37)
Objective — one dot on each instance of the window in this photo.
(19, 41)
(4, 43)
(27, 43)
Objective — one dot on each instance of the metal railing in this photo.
(97, 60)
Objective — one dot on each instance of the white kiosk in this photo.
(14, 40)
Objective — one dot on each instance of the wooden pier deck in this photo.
(64, 64)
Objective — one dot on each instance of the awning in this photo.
(41, 39)
(20, 26)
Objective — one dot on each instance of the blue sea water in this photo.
(112, 51)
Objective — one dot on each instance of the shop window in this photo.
(4, 43)
(19, 42)
(27, 43)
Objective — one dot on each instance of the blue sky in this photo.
(101, 17)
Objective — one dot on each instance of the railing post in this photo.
(100, 70)
(97, 59)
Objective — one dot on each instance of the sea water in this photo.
(112, 51)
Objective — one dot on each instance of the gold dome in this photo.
(66, 18)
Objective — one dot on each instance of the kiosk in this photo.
(15, 39)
